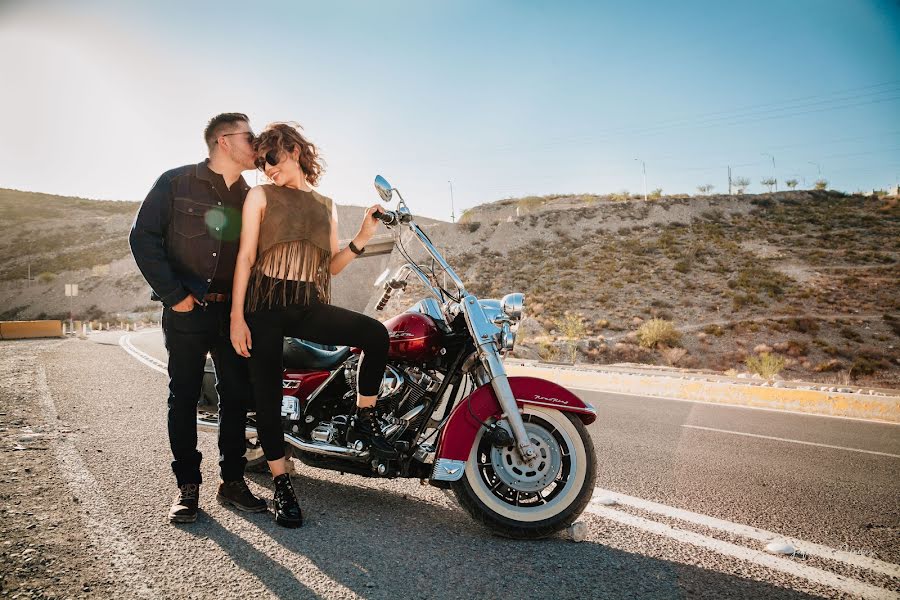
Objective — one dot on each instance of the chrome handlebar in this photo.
(403, 217)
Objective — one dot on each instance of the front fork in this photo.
(485, 334)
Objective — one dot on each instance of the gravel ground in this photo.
(87, 517)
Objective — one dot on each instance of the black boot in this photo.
(367, 429)
(287, 509)
(238, 495)
(184, 509)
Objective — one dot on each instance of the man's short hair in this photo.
(219, 124)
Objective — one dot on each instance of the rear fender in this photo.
(465, 420)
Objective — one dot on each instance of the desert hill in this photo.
(77, 240)
(807, 278)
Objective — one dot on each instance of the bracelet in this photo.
(354, 249)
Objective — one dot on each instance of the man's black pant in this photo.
(189, 336)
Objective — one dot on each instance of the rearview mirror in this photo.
(384, 188)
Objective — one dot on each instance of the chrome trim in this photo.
(326, 449)
(493, 312)
(512, 305)
(507, 338)
(312, 447)
(484, 333)
(392, 382)
(323, 433)
(290, 408)
(448, 470)
(211, 426)
(563, 407)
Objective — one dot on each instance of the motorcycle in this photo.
(514, 451)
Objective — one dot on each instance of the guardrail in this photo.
(18, 330)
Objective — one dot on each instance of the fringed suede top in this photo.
(294, 245)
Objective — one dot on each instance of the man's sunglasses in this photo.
(271, 157)
(250, 135)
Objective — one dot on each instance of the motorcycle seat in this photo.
(300, 354)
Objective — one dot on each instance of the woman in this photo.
(288, 254)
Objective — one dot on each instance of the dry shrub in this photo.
(654, 332)
(548, 351)
(765, 365)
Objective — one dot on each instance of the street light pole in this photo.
(452, 210)
(773, 169)
(643, 176)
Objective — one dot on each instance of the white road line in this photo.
(810, 548)
(99, 518)
(778, 439)
(852, 586)
(757, 556)
(731, 405)
(153, 363)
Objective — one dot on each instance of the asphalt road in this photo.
(688, 496)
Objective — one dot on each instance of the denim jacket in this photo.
(174, 237)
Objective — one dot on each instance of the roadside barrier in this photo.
(682, 384)
(18, 330)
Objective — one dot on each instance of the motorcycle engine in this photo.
(401, 398)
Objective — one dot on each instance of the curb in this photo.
(880, 405)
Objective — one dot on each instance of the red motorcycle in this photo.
(514, 450)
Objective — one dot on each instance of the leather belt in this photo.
(217, 298)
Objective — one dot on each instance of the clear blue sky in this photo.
(503, 98)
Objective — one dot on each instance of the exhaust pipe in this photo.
(209, 422)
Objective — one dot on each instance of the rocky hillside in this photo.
(76, 240)
(805, 283)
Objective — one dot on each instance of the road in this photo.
(688, 496)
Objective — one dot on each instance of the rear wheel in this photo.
(524, 501)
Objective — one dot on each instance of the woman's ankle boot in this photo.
(367, 429)
(287, 509)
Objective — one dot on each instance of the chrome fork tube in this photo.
(484, 333)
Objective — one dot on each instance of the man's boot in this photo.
(287, 509)
(184, 509)
(238, 495)
(367, 429)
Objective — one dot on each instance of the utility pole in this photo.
(452, 210)
(818, 168)
(729, 180)
(643, 176)
(773, 169)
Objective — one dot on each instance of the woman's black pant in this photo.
(315, 322)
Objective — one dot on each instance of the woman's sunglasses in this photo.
(271, 158)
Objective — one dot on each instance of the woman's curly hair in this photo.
(284, 137)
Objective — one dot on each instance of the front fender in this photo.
(459, 433)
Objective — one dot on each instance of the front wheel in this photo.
(524, 501)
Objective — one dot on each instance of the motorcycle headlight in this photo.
(512, 305)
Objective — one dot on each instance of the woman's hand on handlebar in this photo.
(370, 222)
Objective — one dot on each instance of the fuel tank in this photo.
(414, 337)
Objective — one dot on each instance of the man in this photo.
(185, 240)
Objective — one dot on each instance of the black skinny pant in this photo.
(316, 322)
(188, 337)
